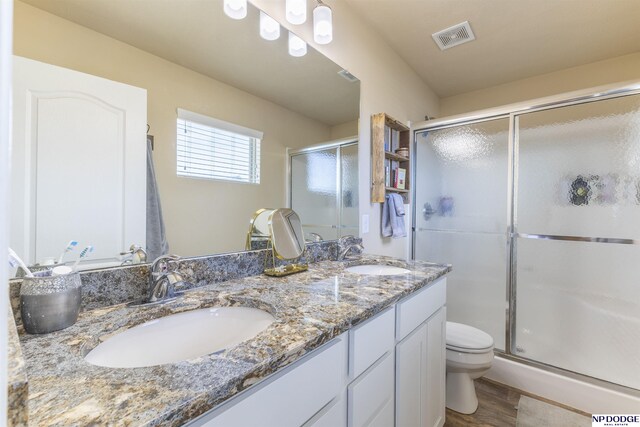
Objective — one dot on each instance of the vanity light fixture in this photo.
(236, 9)
(269, 27)
(296, 11)
(297, 46)
(322, 24)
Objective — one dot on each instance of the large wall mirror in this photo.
(190, 58)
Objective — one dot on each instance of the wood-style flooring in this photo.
(497, 407)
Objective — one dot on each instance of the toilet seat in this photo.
(470, 350)
(467, 339)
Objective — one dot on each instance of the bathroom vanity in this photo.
(345, 349)
(396, 358)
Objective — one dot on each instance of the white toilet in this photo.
(469, 356)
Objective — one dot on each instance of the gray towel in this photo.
(156, 237)
(393, 216)
(399, 204)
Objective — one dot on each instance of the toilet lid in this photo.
(463, 337)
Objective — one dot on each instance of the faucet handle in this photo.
(342, 240)
(161, 264)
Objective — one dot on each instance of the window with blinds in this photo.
(212, 149)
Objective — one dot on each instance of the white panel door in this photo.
(436, 369)
(78, 163)
(411, 379)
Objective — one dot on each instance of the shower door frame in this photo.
(338, 144)
(512, 112)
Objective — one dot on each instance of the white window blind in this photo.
(214, 149)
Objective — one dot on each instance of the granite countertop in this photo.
(17, 386)
(310, 309)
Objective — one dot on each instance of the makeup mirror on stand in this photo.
(280, 231)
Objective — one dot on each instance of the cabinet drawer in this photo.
(289, 398)
(416, 308)
(371, 396)
(370, 340)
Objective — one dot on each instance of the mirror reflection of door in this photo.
(78, 163)
(324, 189)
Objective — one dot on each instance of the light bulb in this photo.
(322, 24)
(296, 11)
(236, 9)
(269, 27)
(297, 46)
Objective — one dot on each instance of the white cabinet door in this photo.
(78, 163)
(332, 415)
(436, 369)
(411, 378)
(420, 374)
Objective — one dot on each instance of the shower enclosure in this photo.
(538, 210)
(323, 184)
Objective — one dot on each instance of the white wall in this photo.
(6, 28)
(388, 85)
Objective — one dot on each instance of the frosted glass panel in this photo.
(324, 207)
(328, 232)
(576, 174)
(476, 291)
(579, 171)
(461, 218)
(349, 178)
(462, 176)
(578, 307)
(314, 187)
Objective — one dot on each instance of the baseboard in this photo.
(586, 397)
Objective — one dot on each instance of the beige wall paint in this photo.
(202, 216)
(344, 130)
(388, 85)
(612, 70)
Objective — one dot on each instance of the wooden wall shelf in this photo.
(387, 134)
(395, 190)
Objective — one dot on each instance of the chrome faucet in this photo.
(343, 255)
(162, 281)
(135, 255)
(342, 243)
(314, 237)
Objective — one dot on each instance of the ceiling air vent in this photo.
(453, 36)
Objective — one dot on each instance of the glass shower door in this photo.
(461, 218)
(349, 190)
(324, 190)
(314, 189)
(576, 295)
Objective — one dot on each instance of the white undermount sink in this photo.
(377, 270)
(181, 336)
